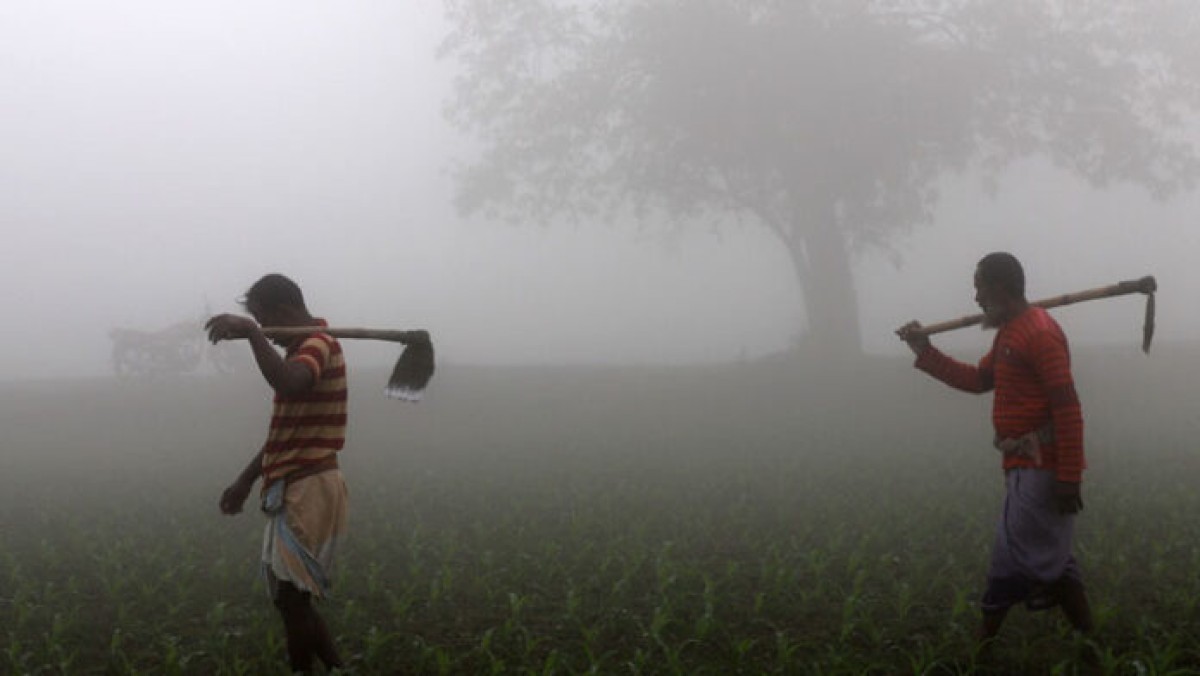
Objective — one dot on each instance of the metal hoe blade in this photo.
(412, 372)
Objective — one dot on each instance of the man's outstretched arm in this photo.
(235, 496)
(974, 379)
(285, 377)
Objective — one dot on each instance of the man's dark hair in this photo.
(1002, 269)
(275, 290)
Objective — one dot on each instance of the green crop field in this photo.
(773, 517)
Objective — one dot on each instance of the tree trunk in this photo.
(821, 260)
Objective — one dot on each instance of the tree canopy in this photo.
(827, 122)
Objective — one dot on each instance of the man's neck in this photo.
(1015, 309)
(297, 319)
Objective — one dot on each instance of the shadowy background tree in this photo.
(828, 122)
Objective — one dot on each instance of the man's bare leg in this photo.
(297, 625)
(989, 627)
(322, 641)
(1075, 604)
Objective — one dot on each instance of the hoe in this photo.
(1145, 285)
(412, 371)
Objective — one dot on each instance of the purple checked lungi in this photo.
(1032, 549)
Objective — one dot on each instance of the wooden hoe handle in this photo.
(1146, 285)
(405, 337)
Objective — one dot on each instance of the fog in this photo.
(157, 158)
(634, 457)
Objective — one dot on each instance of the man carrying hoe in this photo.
(1039, 430)
(303, 493)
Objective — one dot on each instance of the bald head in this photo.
(1003, 271)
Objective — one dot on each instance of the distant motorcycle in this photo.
(174, 350)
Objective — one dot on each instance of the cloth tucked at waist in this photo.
(307, 519)
(1027, 445)
(302, 471)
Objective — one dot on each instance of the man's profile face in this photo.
(266, 316)
(992, 300)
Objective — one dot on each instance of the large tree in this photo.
(827, 122)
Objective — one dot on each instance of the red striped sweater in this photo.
(1029, 367)
(309, 427)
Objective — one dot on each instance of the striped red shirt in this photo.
(1029, 367)
(309, 427)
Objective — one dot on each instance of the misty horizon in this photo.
(159, 160)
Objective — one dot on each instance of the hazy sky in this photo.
(155, 157)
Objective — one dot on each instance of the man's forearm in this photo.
(252, 470)
(954, 373)
(283, 377)
(272, 366)
(1068, 439)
